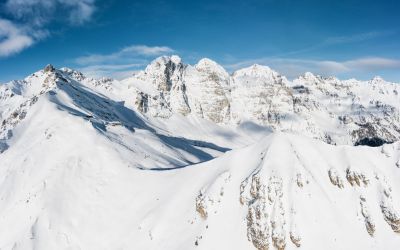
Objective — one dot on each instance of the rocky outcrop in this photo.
(208, 90)
(369, 223)
(271, 193)
(17, 97)
(165, 74)
(356, 178)
(210, 196)
(266, 223)
(262, 95)
(335, 178)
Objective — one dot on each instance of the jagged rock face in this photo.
(49, 68)
(277, 193)
(335, 111)
(183, 89)
(260, 94)
(165, 74)
(359, 110)
(103, 82)
(17, 97)
(208, 90)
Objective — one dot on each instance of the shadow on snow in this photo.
(102, 111)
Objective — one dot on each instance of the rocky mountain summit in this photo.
(329, 109)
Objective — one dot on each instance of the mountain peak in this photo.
(309, 75)
(176, 59)
(67, 70)
(256, 65)
(166, 59)
(208, 65)
(161, 63)
(308, 78)
(49, 68)
(206, 62)
(256, 70)
(377, 79)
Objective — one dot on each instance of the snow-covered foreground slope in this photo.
(88, 164)
(285, 191)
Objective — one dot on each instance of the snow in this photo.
(82, 167)
(256, 71)
(329, 109)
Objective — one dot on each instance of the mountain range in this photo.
(182, 156)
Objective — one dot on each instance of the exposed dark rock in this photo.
(49, 68)
(371, 142)
(3, 146)
(301, 89)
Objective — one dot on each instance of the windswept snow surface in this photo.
(85, 164)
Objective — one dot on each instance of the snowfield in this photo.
(190, 157)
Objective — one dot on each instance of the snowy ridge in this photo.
(191, 157)
(60, 90)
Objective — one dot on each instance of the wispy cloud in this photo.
(373, 63)
(127, 53)
(356, 37)
(147, 51)
(339, 40)
(291, 67)
(26, 21)
(81, 11)
(289, 64)
(114, 71)
(120, 63)
(41, 12)
(13, 38)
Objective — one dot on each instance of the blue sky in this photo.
(352, 38)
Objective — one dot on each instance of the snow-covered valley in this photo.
(192, 157)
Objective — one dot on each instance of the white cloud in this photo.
(339, 40)
(356, 37)
(40, 12)
(126, 54)
(122, 63)
(28, 20)
(81, 11)
(33, 12)
(291, 67)
(13, 39)
(146, 50)
(118, 71)
(373, 63)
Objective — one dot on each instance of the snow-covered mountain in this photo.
(192, 157)
(338, 112)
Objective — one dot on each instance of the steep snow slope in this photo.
(153, 143)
